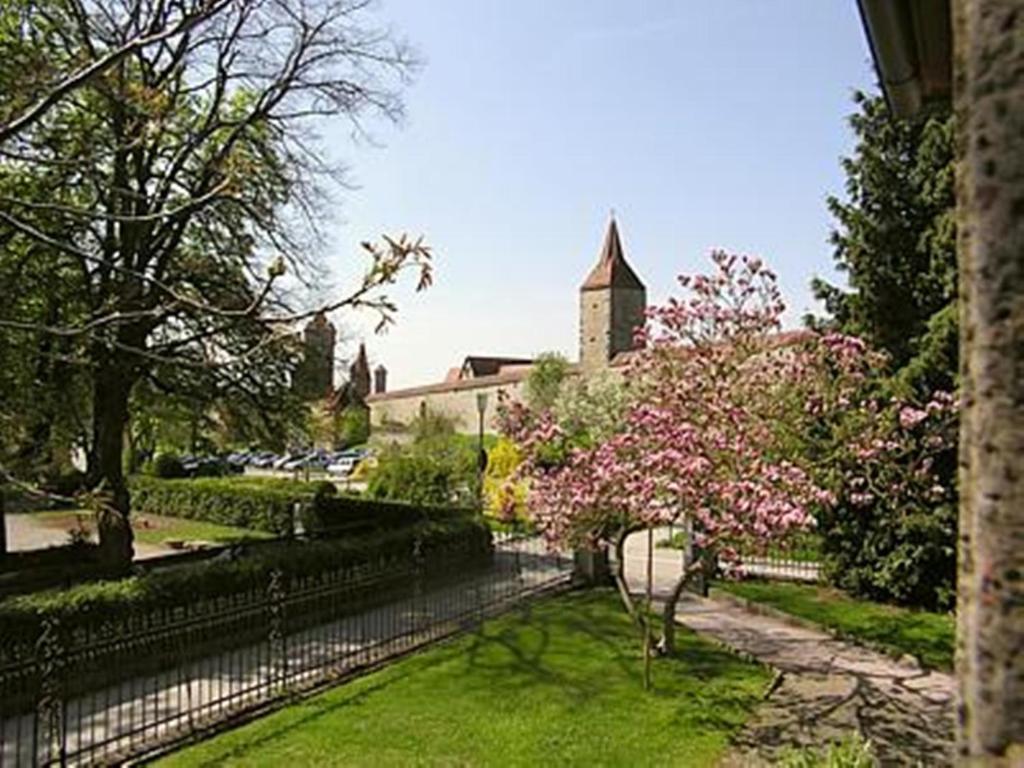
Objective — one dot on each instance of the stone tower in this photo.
(315, 376)
(359, 374)
(612, 303)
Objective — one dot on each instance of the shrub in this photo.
(852, 752)
(354, 426)
(257, 506)
(167, 465)
(505, 499)
(171, 598)
(891, 536)
(441, 474)
(333, 514)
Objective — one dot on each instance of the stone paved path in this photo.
(828, 687)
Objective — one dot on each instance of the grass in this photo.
(930, 637)
(154, 529)
(558, 683)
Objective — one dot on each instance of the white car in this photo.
(344, 465)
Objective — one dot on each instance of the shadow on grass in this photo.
(577, 657)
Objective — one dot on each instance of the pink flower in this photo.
(910, 417)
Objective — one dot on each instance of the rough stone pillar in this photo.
(989, 102)
(590, 567)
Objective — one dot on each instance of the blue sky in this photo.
(701, 123)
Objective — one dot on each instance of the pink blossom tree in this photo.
(699, 438)
(721, 431)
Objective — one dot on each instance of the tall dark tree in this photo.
(178, 185)
(895, 239)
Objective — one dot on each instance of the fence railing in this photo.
(183, 673)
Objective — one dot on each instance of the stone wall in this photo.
(456, 401)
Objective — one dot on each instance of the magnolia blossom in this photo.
(701, 436)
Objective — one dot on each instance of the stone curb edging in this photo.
(903, 659)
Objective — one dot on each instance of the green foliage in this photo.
(334, 515)
(545, 380)
(854, 751)
(896, 236)
(930, 637)
(444, 544)
(554, 684)
(354, 426)
(257, 506)
(891, 533)
(439, 467)
(504, 498)
(421, 475)
(593, 409)
(896, 241)
(167, 465)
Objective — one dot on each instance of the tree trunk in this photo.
(110, 418)
(3, 525)
(989, 106)
(620, 574)
(647, 608)
(668, 615)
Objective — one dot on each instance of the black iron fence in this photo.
(103, 695)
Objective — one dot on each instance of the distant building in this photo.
(355, 391)
(612, 302)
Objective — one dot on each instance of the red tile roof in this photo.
(611, 270)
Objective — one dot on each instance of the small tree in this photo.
(544, 383)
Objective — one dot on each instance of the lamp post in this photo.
(481, 458)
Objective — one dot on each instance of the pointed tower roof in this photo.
(361, 363)
(611, 270)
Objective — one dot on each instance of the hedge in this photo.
(332, 515)
(267, 505)
(257, 505)
(103, 601)
(169, 599)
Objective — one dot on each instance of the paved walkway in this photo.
(828, 687)
(27, 531)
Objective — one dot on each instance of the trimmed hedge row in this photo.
(332, 515)
(257, 505)
(268, 505)
(441, 544)
(170, 616)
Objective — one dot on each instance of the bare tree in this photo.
(177, 180)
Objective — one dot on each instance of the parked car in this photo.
(345, 462)
(285, 459)
(264, 460)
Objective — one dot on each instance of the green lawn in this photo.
(556, 684)
(153, 529)
(928, 636)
